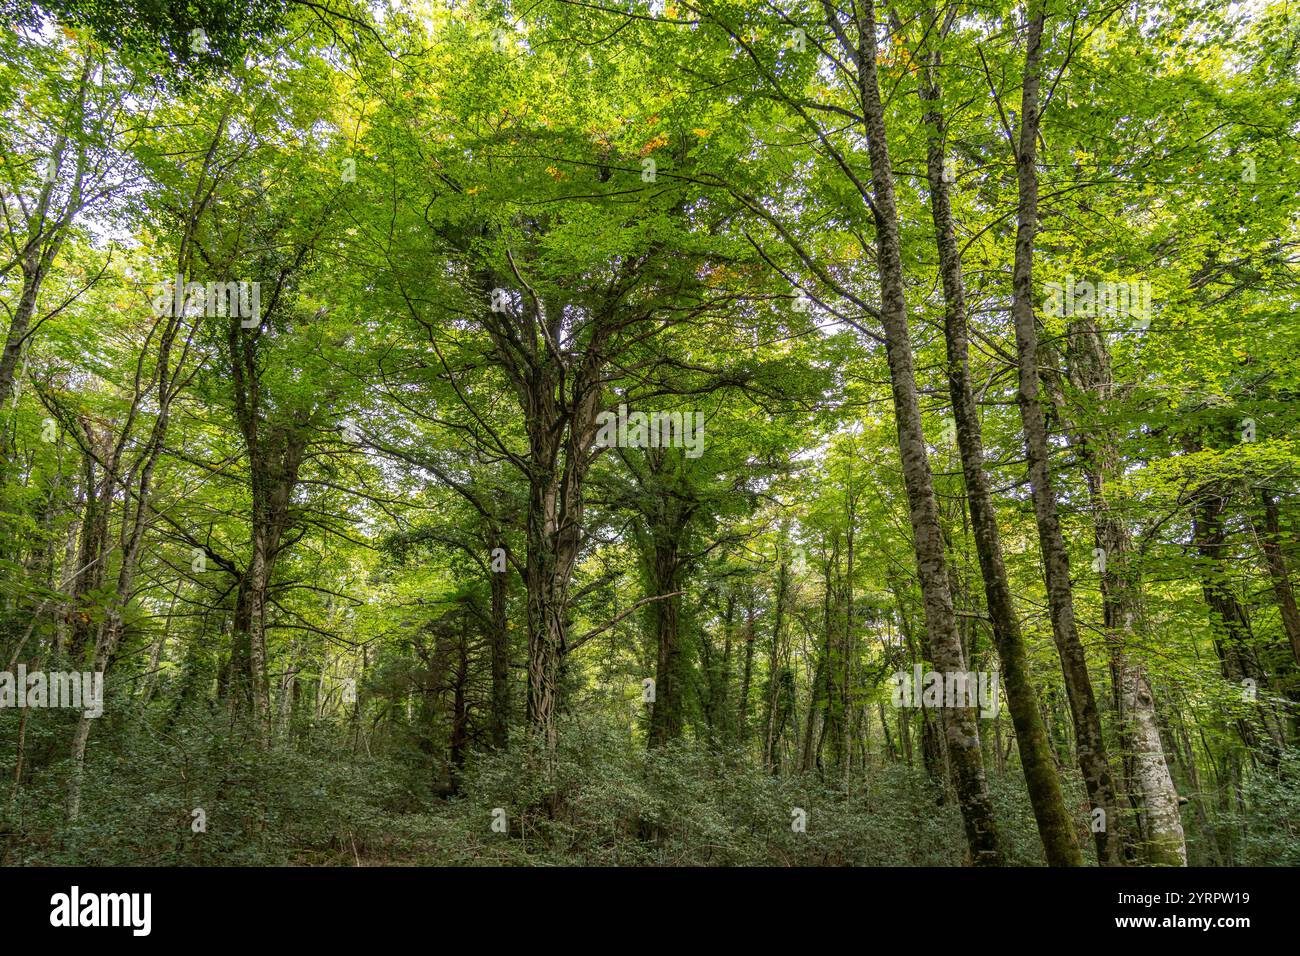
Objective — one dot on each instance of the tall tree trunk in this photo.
(1270, 543)
(816, 696)
(819, 692)
(670, 676)
(275, 457)
(499, 730)
(747, 673)
(1055, 828)
(166, 385)
(772, 723)
(721, 708)
(850, 624)
(927, 539)
(932, 748)
(460, 707)
(1259, 729)
(1163, 843)
(89, 567)
(560, 398)
(551, 559)
(1089, 743)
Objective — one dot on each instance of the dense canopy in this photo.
(668, 432)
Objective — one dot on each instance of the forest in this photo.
(650, 433)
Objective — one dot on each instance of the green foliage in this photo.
(678, 217)
(1270, 836)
